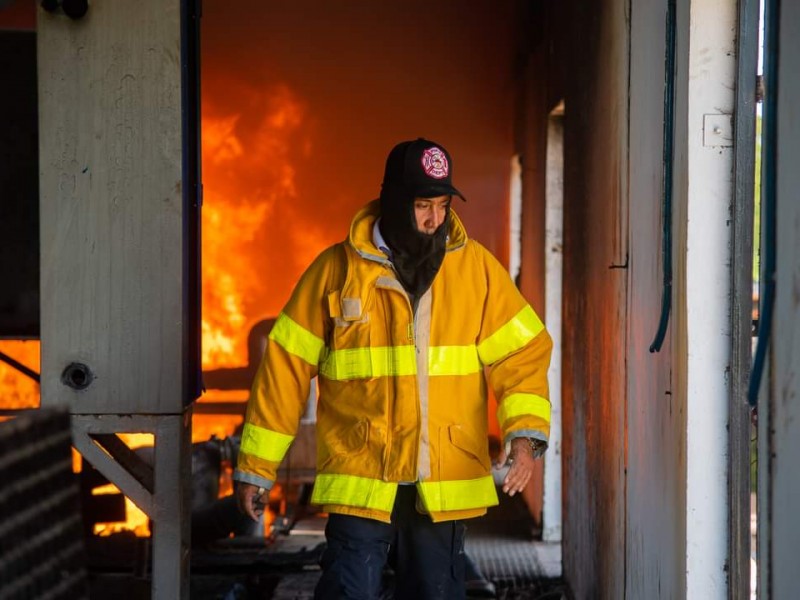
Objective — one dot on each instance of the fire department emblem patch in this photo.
(434, 162)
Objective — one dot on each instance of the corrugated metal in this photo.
(41, 538)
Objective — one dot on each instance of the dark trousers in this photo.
(427, 557)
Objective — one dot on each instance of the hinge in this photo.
(760, 91)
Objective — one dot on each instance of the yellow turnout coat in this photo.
(402, 396)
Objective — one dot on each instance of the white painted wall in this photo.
(709, 54)
(655, 489)
(515, 218)
(554, 266)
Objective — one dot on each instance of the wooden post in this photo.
(119, 174)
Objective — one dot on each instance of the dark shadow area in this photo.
(19, 182)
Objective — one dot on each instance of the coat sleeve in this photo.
(516, 347)
(282, 383)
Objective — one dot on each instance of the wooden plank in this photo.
(112, 217)
(110, 468)
(742, 302)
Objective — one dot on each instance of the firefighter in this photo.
(403, 323)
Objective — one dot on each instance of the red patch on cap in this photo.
(434, 163)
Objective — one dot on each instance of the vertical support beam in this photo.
(167, 503)
(119, 198)
(704, 141)
(739, 484)
(172, 507)
(531, 274)
(114, 248)
(784, 381)
(655, 464)
(554, 266)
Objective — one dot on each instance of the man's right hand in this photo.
(251, 499)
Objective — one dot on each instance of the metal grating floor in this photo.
(519, 568)
(502, 544)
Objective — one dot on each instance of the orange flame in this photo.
(17, 390)
(247, 170)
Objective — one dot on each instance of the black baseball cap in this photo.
(421, 168)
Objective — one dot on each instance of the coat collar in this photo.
(363, 242)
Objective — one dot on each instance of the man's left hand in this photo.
(521, 469)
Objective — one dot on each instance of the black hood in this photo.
(416, 256)
(415, 169)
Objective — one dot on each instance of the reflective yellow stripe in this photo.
(350, 490)
(458, 495)
(453, 360)
(296, 340)
(515, 405)
(264, 443)
(363, 363)
(512, 336)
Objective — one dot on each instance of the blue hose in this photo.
(768, 196)
(666, 184)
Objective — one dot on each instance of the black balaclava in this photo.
(418, 168)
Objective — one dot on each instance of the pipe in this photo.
(666, 184)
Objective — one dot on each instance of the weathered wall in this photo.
(623, 468)
(594, 61)
(654, 497)
(627, 482)
(784, 382)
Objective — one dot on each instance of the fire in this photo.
(247, 171)
(17, 390)
(136, 520)
(250, 257)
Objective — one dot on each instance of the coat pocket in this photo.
(343, 443)
(349, 356)
(463, 454)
